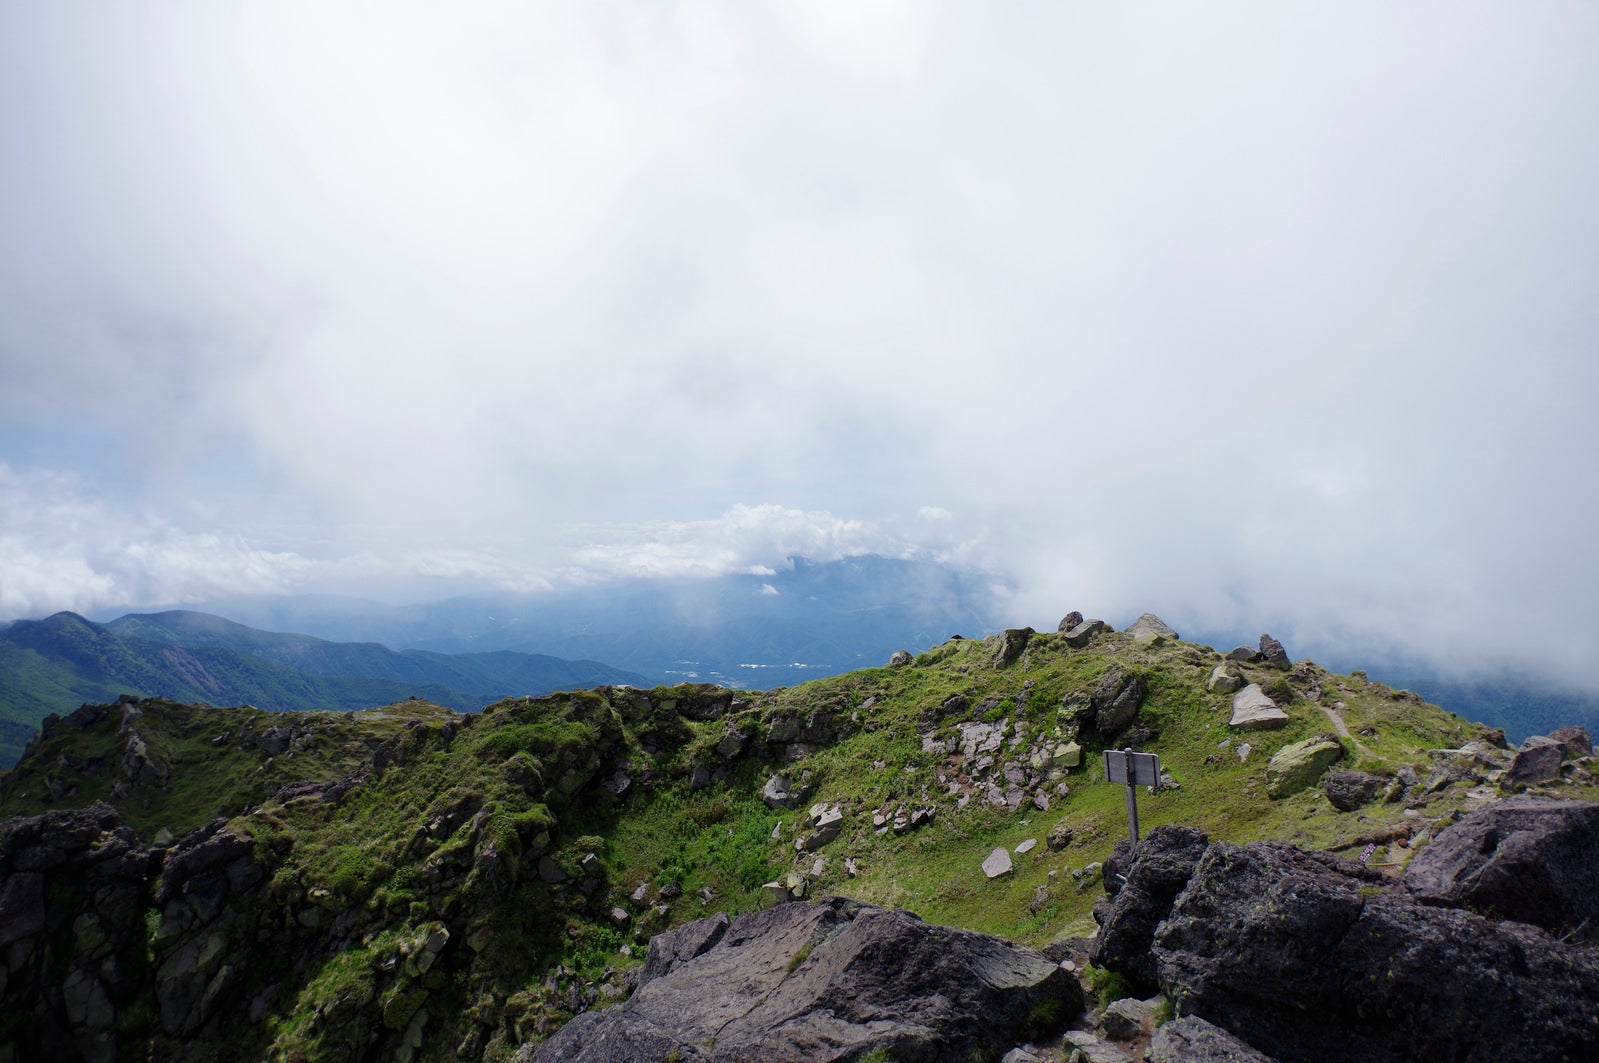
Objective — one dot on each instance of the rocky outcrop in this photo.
(1531, 859)
(1069, 621)
(834, 980)
(72, 971)
(1577, 741)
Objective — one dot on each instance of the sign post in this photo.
(1134, 769)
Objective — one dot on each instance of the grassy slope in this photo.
(528, 770)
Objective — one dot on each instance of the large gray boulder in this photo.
(1085, 632)
(1311, 958)
(1151, 630)
(1538, 760)
(835, 980)
(1254, 710)
(1349, 790)
(1532, 859)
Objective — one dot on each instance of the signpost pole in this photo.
(1132, 798)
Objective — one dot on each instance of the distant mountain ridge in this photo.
(54, 665)
(746, 630)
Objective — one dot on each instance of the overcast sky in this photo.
(1250, 314)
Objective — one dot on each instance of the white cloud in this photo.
(744, 539)
(1244, 313)
(61, 549)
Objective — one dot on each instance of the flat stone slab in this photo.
(1027, 846)
(822, 983)
(997, 864)
(1253, 710)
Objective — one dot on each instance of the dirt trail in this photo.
(1338, 725)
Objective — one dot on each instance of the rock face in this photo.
(1312, 958)
(1299, 766)
(1253, 710)
(69, 970)
(834, 980)
(1530, 859)
(1314, 965)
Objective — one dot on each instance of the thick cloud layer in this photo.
(1244, 314)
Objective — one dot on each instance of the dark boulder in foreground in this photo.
(1307, 957)
(1531, 859)
(1156, 870)
(834, 980)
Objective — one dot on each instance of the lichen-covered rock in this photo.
(1224, 679)
(1299, 766)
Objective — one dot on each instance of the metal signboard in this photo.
(1135, 770)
